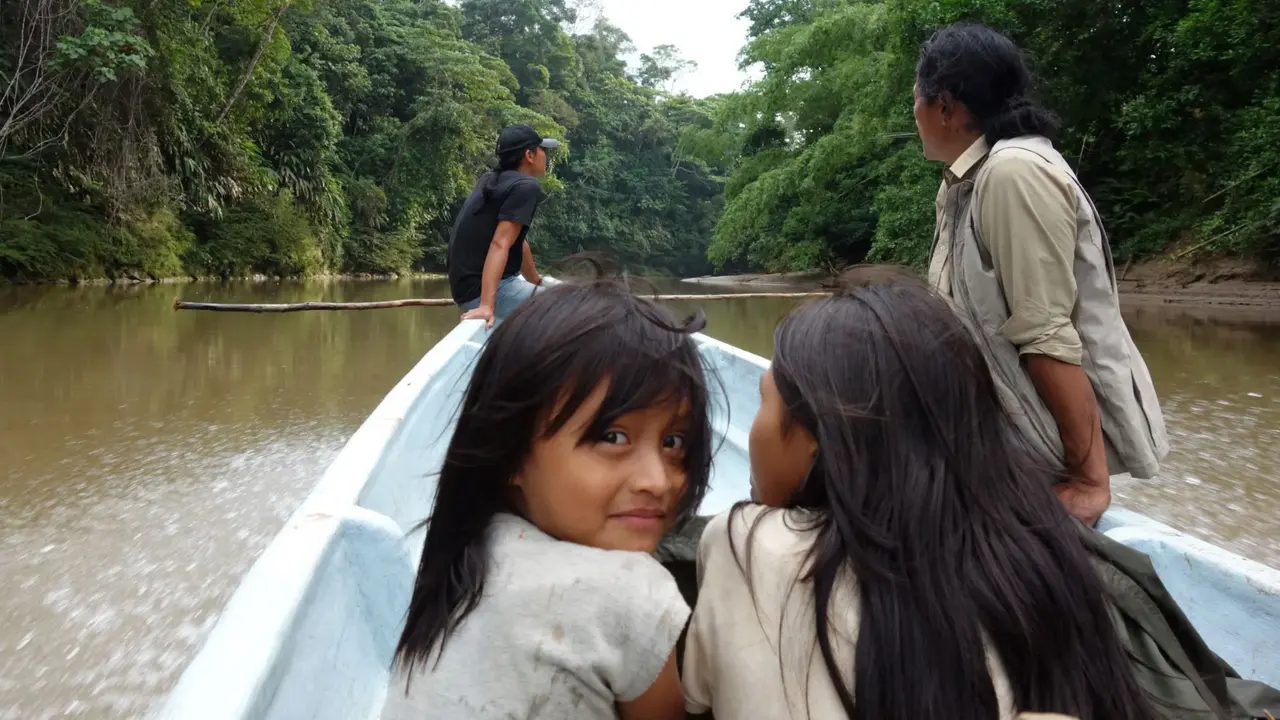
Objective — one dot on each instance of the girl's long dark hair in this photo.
(955, 536)
(533, 374)
(982, 69)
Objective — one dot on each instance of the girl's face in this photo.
(782, 451)
(618, 491)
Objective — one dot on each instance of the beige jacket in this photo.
(1132, 424)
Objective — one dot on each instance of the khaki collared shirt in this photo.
(1027, 220)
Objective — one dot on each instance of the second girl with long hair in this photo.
(907, 558)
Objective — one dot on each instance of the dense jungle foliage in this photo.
(1170, 109)
(289, 137)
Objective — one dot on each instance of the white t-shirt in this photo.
(748, 660)
(563, 632)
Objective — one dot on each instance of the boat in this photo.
(311, 630)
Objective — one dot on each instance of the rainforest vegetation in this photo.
(158, 138)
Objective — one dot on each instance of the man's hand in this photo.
(1086, 500)
(1069, 396)
(480, 313)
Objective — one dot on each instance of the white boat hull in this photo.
(311, 630)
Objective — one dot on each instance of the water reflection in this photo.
(148, 456)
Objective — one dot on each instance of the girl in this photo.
(583, 439)
(907, 560)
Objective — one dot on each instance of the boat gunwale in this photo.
(299, 551)
(345, 480)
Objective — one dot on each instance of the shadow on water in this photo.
(147, 456)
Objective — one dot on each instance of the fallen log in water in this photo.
(299, 307)
(441, 302)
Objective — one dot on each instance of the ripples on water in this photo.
(1218, 377)
(149, 456)
(119, 574)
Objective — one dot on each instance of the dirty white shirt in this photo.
(752, 651)
(563, 632)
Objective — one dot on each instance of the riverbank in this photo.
(1224, 282)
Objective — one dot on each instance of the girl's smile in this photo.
(643, 520)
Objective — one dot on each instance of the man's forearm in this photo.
(1067, 392)
(494, 263)
(527, 267)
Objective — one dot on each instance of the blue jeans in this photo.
(512, 291)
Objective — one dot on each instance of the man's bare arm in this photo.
(496, 261)
(528, 269)
(1067, 392)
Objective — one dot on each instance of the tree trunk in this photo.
(253, 64)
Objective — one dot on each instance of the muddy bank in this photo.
(1222, 282)
(1219, 282)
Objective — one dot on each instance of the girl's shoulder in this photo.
(519, 548)
(765, 534)
(611, 588)
(754, 551)
(613, 614)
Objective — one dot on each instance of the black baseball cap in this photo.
(523, 137)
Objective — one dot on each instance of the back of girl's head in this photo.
(537, 369)
(922, 489)
(890, 369)
(988, 74)
(914, 444)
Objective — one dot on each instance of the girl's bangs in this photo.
(637, 378)
(644, 365)
(643, 383)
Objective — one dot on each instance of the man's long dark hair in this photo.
(533, 374)
(983, 70)
(507, 162)
(954, 535)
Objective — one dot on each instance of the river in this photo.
(147, 456)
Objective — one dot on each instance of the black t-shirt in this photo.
(515, 198)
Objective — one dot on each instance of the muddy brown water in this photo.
(148, 456)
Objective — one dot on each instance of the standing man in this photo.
(487, 249)
(1021, 253)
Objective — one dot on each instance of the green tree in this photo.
(1169, 115)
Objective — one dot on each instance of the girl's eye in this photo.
(673, 442)
(614, 437)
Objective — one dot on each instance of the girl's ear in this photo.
(515, 496)
(808, 439)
